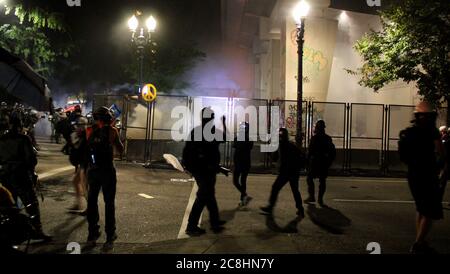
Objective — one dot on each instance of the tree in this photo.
(413, 45)
(31, 35)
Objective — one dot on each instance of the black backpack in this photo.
(99, 148)
(405, 145)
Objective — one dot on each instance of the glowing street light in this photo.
(141, 38)
(151, 24)
(299, 13)
(301, 10)
(133, 23)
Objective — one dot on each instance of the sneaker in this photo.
(220, 223)
(93, 237)
(217, 229)
(109, 244)
(267, 209)
(310, 200)
(247, 200)
(195, 231)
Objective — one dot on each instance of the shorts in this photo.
(427, 195)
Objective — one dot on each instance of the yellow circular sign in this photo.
(149, 92)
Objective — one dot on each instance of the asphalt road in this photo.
(152, 204)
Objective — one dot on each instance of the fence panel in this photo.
(137, 120)
(366, 137)
(161, 139)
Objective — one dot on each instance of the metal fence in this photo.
(365, 135)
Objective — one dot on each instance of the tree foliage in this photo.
(413, 45)
(31, 36)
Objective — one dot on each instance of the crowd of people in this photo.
(18, 159)
(91, 146)
(421, 148)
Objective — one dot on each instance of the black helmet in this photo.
(103, 114)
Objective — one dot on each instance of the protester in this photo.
(242, 161)
(321, 154)
(445, 139)
(201, 157)
(421, 149)
(78, 159)
(18, 161)
(291, 161)
(102, 139)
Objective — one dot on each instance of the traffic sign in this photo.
(149, 93)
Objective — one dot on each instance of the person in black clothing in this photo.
(321, 154)
(291, 161)
(17, 164)
(242, 161)
(420, 148)
(102, 139)
(201, 157)
(445, 139)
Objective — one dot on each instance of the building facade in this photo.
(266, 30)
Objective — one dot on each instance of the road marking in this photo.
(373, 201)
(377, 201)
(377, 180)
(182, 233)
(146, 196)
(54, 172)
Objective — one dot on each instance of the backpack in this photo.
(405, 146)
(99, 148)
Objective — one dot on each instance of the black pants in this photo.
(240, 180)
(205, 197)
(20, 184)
(105, 180)
(311, 187)
(280, 182)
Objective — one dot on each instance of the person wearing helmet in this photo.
(102, 140)
(321, 154)
(418, 145)
(242, 161)
(291, 161)
(17, 162)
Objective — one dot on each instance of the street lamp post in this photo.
(300, 12)
(141, 39)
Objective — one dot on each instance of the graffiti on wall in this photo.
(314, 60)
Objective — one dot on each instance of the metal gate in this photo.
(365, 135)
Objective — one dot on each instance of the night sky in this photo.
(101, 37)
